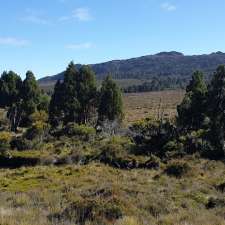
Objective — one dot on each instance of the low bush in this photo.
(177, 169)
(85, 210)
(221, 187)
(37, 131)
(83, 132)
(151, 136)
(215, 203)
(5, 138)
(21, 144)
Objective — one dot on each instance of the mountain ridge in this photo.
(145, 67)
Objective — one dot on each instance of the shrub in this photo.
(153, 163)
(82, 211)
(151, 136)
(114, 155)
(4, 122)
(215, 202)
(174, 148)
(37, 131)
(5, 138)
(177, 169)
(190, 143)
(39, 116)
(21, 144)
(221, 187)
(115, 152)
(81, 131)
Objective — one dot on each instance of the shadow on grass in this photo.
(17, 162)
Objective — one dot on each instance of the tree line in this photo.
(198, 128)
(74, 100)
(158, 84)
(78, 106)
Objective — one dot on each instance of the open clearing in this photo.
(151, 104)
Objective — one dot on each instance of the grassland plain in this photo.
(152, 104)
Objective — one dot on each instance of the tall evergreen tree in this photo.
(10, 96)
(110, 103)
(191, 112)
(216, 112)
(10, 87)
(70, 103)
(86, 94)
(64, 105)
(56, 105)
(73, 99)
(30, 94)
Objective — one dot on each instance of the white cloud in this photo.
(11, 41)
(168, 6)
(86, 45)
(64, 18)
(35, 16)
(82, 14)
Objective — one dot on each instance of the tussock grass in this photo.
(99, 194)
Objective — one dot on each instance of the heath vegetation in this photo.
(77, 157)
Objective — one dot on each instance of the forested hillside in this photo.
(172, 64)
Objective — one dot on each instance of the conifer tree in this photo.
(110, 103)
(216, 112)
(30, 94)
(10, 87)
(64, 105)
(86, 94)
(56, 105)
(192, 111)
(70, 104)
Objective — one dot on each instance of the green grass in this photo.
(39, 195)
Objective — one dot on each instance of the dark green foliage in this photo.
(30, 94)
(56, 105)
(158, 84)
(86, 94)
(10, 96)
(21, 98)
(177, 169)
(191, 112)
(110, 103)
(74, 99)
(70, 105)
(116, 154)
(30, 90)
(215, 203)
(82, 132)
(215, 108)
(151, 137)
(44, 102)
(64, 104)
(221, 187)
(164, 64)
(21, 144)
(10, 86)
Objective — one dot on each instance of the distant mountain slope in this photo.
(161, 64)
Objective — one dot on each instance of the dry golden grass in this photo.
(151, 104)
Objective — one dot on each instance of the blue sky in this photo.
(45, 35)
